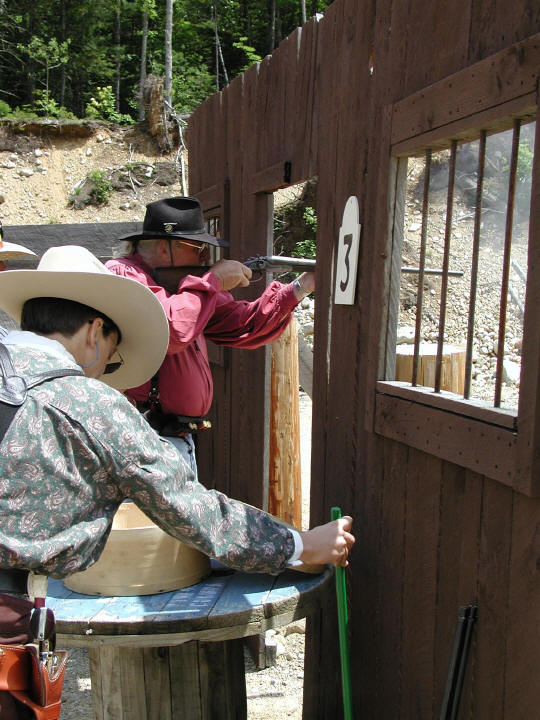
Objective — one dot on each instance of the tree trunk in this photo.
(117, 58)
(63, 66)
(168, 51)
(142, 75)
(303, 11)
(272, 26)
(219, 54)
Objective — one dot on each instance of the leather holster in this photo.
(30, 681)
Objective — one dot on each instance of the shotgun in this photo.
(170, 277)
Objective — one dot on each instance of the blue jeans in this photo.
(186, 448)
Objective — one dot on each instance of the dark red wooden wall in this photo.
(333, 102)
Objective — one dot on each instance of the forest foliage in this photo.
(89, 58)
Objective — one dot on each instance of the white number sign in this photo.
(348, 252)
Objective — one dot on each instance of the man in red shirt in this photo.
(174, 234)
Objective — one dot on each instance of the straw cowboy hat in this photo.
(176, 217)
(11, 250)
(73, 273)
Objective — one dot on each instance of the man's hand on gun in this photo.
(330, 543)
(231, 274)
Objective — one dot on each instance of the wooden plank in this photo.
(502, 77)
(493, 582)
(299, 101)
(420, 584)
(109, 695)
(242, 600)
(94, 663)
(470, 443)
(522, 690)
(452, 507)
(131, 679)
(494, 120)
(211, 198)
(307, 598)
(425, 62)
(115, 614)
(184, 665)
(391, 578)
(188, 609)
(271, 178)
(468, 562)
(157, 682)
(450, 402)
(493, 25)
(322, 676)
(378, 262)
(69, 616)
(274, 123)
(528, 465)
(223, 687)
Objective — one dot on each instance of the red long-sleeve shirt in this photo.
(201, 309)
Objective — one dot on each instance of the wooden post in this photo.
(452, 370)
(285, 482)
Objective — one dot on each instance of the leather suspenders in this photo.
(14, 388)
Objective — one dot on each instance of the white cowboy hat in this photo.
(12, 250)
(73, 273)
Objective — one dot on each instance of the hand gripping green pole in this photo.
(343, 623)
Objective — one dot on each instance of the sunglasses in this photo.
(113, 366)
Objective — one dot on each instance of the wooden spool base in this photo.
(452, 366)
(203, 680)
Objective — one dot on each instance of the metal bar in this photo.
(430, 271)
(460, 673)
(457, 649)
(446, 262)
(506, 261)
(421, 269)
(474, 263)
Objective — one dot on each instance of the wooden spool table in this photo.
(179, 654)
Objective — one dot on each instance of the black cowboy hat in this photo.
(176, 217)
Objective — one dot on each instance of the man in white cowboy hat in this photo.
(8, 251)
(76, 448)
(174, 234)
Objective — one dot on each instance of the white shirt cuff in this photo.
(298, 548)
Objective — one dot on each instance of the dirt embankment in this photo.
(41, 170)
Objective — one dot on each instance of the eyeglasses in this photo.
(113, 366)
(201, 247)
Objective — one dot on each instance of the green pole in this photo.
(343, 624)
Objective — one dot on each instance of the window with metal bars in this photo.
(460, 371)
(464, 266)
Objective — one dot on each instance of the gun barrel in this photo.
(280, 263)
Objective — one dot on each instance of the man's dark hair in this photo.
(47, 315)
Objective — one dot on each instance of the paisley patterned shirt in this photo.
(76, 449)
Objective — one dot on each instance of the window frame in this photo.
(495, 442)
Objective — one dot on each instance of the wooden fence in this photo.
(445, 496)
